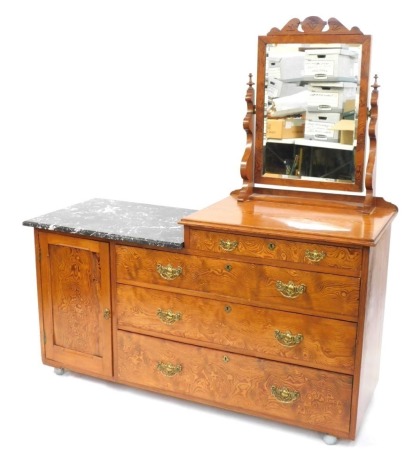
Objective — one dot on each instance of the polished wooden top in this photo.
(305, 221)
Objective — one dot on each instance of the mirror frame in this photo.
(312, 30)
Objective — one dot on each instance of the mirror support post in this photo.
(369, 202)
(247, 163)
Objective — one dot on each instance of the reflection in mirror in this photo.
(311, 105)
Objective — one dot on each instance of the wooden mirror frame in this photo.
(317, 31)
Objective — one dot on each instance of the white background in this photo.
(144, 101)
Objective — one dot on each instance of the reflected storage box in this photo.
(331, 96)
(288, 128)
(292, 68)
(320, 126)
(273, 68)
(331, 65)
(347, 128)
(278, 89)
(274, 86)
(349, 107)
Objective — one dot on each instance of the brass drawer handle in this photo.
(168, 316)
(169, 370)
(315, 256)
(284, 395)
(228, 245)
(288, 339)
(168, 272)
(290, 290)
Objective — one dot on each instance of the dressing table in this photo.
(269, 302)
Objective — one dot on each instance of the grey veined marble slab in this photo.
(145, 224)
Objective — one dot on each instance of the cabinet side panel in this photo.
(39, 291)
(373, 322)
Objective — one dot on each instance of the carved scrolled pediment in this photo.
(314, 25)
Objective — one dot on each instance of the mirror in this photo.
(311, 110)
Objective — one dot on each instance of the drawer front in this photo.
(295, 394)
(275, 249)
(307, 340)
(308, 291)
(292, 290)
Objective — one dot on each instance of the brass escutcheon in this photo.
(228, 245)
(227, 308)
(314, 256)
(284, 395)
(107, 313)
(168, 369)
(168, 272)
(288, 339)
(168, 316)
(228, 268)
(271, 246)
(225, 359)
(290, 290)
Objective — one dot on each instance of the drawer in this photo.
(302, 339)
(289, 289)
(297, 395)
(274, 249)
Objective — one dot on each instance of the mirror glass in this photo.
(310, 105)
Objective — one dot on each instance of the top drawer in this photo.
(282, 250)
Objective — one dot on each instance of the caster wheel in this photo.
(329, 440)
(59, 370)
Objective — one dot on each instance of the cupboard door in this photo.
(76, 303)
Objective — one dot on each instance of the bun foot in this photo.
(59, 370)
(329, 440)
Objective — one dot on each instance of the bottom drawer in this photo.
(297, 395)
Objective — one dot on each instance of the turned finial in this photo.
(375, 85)
(250, 82)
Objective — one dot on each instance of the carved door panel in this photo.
(76, 302)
